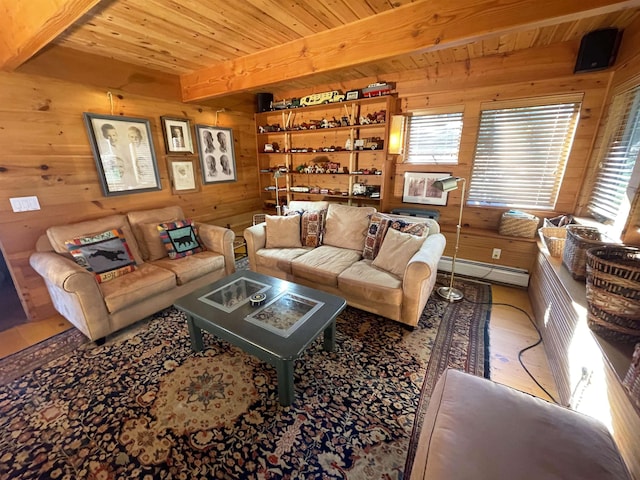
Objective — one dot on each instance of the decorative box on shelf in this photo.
(515, 223)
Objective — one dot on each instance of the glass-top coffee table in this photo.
(276, 331)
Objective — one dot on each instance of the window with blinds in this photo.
(621, 143)
(521, 154)
(434, 138)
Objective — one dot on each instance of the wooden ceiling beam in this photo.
(26, 26)
(418, 27)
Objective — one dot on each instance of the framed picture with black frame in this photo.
(418, 188)
(177, 135)
(123, 151)
(217, 157)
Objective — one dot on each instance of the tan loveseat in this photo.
(98, 309)
(397, 288)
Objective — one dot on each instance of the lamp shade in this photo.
(396, 135)
(446, 184)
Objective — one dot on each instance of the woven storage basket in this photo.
(632, 379)
(579, 240)
(554, 238)
(613, 292)
(518, 224)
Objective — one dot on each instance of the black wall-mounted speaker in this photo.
(264, 102)
(598, 50)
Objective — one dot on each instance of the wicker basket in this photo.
(554, 238)
(613, 292)
(579, 240)
(632, 379)
(518, 224)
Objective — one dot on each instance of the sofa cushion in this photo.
(148, 280)
(312, 228)
(278, 258)
(151, 239)
(283, 231)
(193, 266)
(362, 280)
(396, 251)
(324, 264)
(346, 226)
(155, 216)
(106, 254)
(378, 227)
(59, 234)
(180, 238)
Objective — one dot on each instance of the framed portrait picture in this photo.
(217, 158)
(124, 155)
(418, 188)
(177, 135)
(182, 172)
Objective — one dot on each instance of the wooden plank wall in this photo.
(516, 253)
(45, 151)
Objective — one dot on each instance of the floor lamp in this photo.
(447, 184)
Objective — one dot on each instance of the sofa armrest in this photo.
(74, 291)
(220, 240)
(420, 277)
(60, 271)
(256, 238)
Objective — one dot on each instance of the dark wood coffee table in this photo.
(277, 331)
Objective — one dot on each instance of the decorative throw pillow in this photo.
(106, 254)
(283, 231)
(346, 226)
(396, 251)
(154, 246)
(180, 238)
(378, 226)
(313, 228)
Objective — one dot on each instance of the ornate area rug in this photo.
(143, 405)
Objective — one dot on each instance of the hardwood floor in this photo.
(22, 336)
(510, 330)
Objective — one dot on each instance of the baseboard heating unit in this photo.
(486, 271)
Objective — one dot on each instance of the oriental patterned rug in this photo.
(143, 405)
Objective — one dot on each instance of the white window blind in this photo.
(434, 138)
(521, 154)
(619, 153)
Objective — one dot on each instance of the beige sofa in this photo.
(98, 309)
(475, 428)
(397, 288)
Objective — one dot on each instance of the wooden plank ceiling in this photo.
(185, 37)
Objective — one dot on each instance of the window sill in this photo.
(617, 354)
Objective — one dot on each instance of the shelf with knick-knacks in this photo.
(337, 151)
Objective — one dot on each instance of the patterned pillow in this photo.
(378, 227)
(313, 228)
(180, 238)
(106, 254)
